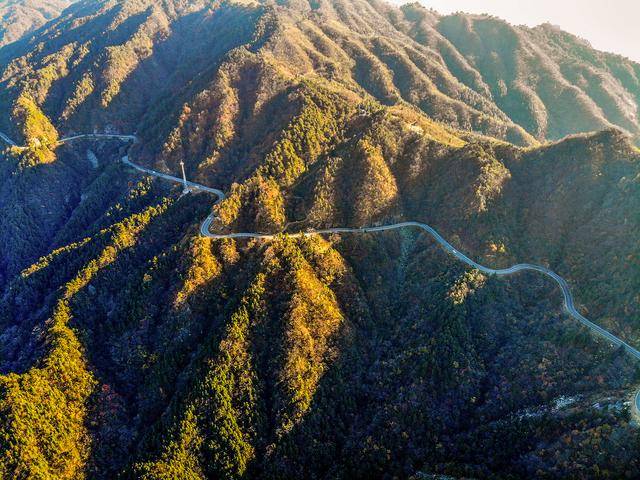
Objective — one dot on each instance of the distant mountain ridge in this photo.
(20, 17)
(548, 81)
(472, 72)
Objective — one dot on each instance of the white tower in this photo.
(184, 178)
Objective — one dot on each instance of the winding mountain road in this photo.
(7, 140)
(171, 178)
(569, 303)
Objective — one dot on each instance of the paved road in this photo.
(7, 140)
(171, 178)
(569, 304)
(125, 159)
(99, 136)
(94, 136)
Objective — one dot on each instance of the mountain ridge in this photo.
(18, 18)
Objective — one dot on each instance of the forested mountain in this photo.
(133, 347)
(547, 81)
(20, 17)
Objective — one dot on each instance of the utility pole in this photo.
(184, 178)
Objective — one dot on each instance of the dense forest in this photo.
(133, 347)
(19, 18)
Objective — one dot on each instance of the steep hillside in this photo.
(20, 17)
(133, 347)
(473, 73)
(547, 81)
